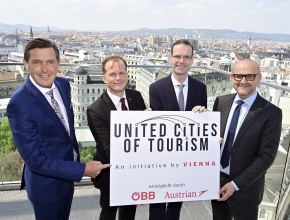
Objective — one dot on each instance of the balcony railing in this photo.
(276, 198)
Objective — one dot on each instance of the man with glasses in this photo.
(176, 92)
(251, 128)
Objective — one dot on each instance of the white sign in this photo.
(164, 156)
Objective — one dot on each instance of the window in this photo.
(93, 99)
(262, 213)
(83, 91)
(98, 90)
(88, 90)
(88, 99)
(93, 91)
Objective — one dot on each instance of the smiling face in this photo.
(181, 60)
(115, 77)
(244, 87)
(42, 66)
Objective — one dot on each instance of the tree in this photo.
(11, 166)
(7, 143)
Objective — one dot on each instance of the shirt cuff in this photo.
(237, 188)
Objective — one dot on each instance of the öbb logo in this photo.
(143, 196)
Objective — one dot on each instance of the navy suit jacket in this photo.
(254, 149)
(44, 143)
(163, 98)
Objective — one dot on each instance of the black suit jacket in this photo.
(99, 122)
(254, 149)
(163, 98)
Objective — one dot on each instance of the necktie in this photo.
(181, 98)
(231, 135)
(124, 107)
(57, 110)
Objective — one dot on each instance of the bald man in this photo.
(250, 128)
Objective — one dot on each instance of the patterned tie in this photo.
(181, 98)
(124, 107)
(225, 160)
(57, 110)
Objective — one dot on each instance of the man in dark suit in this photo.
(176, 92)
(249, 147)
(42, 124)
(115, 98)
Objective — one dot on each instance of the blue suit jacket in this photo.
(163, 98)
(43, 142)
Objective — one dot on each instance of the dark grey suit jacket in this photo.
(254, 149)
(99, 122)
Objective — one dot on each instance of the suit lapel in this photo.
(189, 100)
(43, 104)
(225, 108)
(252, 114)
(108, 102)
(171, 93)
(66, 102)
(130, 99)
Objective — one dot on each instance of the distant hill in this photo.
(210, 32)
(25, 27)
(168, 31)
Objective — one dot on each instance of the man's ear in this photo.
(25, 64)
(104, 79)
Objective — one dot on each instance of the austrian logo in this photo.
(185, 194)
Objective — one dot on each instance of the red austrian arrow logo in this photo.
(202, 192)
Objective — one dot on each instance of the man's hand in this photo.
(148, 109)
(226, 191)
(93, 168)
(221, 140)
(199, 109)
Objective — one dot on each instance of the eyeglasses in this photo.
(249, 77)
(178, 57)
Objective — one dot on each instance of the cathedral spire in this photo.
(31, 32)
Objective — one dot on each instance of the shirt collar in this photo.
(249, 101)
(116, 99)
(176, 83)
(43, 90)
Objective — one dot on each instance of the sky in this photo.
(267, 16)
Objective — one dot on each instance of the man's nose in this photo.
(244, 80)
(44, 68)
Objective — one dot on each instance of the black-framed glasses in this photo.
(178, 57)
(249, 77)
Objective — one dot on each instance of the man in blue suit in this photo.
(42, 123)
(176, 92)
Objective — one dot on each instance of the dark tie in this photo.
(181, 98)
(231, 135)
(124, 107)
(58, 112)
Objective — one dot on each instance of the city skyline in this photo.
(267, 16)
